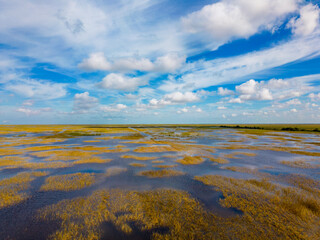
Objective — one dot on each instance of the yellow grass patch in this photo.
(166, 166)
(151, 149)
(140, 158)
(191, 160)
(158, 161)
(137, 165)
(300, 164)
(270, 211)
(12, 189)
(81, 218)
(218, 160)
(160, 173)
(12, 161)
(68, 182)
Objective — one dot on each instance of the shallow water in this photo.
(254, 156)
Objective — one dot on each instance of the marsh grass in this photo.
(151, 149)
(157, 161)
(10, 151)
(191, 160)
(139, 158)
(12, 161)
(270, 211)
(68, 182)
(160, 173)
(12, 190)
(81, 218)
(137, 165)
(219, 160)
(300, 164)
(166, 166)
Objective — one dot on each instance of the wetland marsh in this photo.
(159, 182)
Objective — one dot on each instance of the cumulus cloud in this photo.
(113, 108)
(252, 90)
(96, 61)
(29, 111)
(314, 96)
(37, 89)
(84, 103)
(221, 108)
(275, 89)
(174, 98)
(120, 82)
(167, 63)
(178, 97)
(229, 19)
(190, 110)
(307, 22)
(224, 91)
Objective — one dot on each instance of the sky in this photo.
(159, 61)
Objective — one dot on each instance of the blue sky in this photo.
(159, 61)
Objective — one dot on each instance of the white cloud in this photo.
(203, 74)
(37, 89)
(229, 19)
(96, 61)
(314, 96)
(84, 103)
(222, 108)
(167, 63)
(113, 108)
(293, 102)
(293, 110)
(235, 100)
(307, 22)
(190, 110)
(30, 112)
(224, 91)
(185, 110)
(179, 98)
(28, 103)
(121, 82)
(275, 90)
